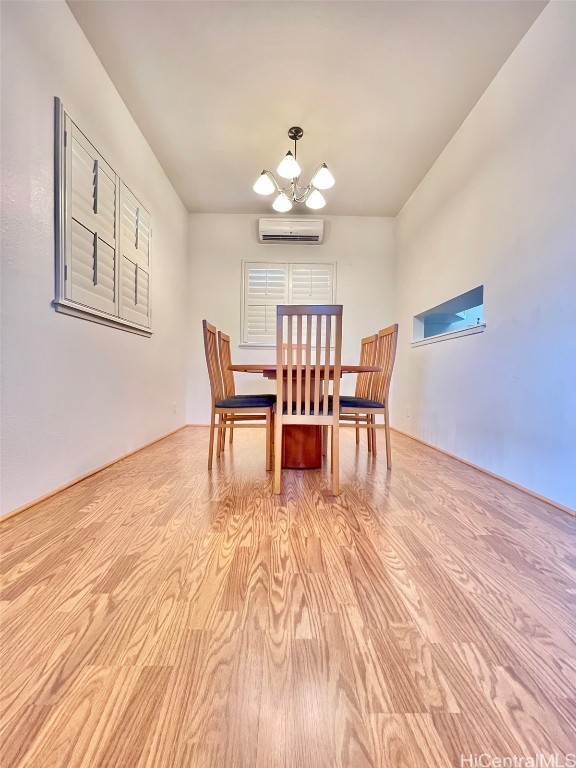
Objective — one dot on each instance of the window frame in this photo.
(289, 266)
(62, 235)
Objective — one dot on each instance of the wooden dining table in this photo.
(301, 443)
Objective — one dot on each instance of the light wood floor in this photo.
(158, 616)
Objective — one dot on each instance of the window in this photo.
(102, 237)
(267, 284)
(460, 316)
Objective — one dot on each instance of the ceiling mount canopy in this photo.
(289, 169)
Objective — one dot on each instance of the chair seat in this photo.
(328, 411)
(247, 401)
(347, 401)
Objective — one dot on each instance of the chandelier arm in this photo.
(271, 176)
(316, 171)
(302, 196)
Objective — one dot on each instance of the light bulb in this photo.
(282, 204)
(315, 200)
(264, 184)
(289, 168)
(323, 179)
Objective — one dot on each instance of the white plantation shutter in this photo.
(91, 242)
(265, 286)
(102, 237)
(311, 284)
(268, 284)
(134, 259)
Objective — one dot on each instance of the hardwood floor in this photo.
(158, 616)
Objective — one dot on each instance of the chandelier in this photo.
(289, 169)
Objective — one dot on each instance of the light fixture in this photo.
(266, 183)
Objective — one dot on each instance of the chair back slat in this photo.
(213, 362)
(308, 375)
(225, 363)
(326, 378)
(317, 388)
(299, 359)
(385, 356)
(367, 357)
(289, 363)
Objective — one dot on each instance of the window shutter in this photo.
(91, 243)
(134, 259)
(311, 284)
(266, 286)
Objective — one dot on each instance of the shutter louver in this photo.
(93, 270)
(312, 284)
(266, 287)
(91, 250)
(135, 259)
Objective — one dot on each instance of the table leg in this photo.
(302, 446)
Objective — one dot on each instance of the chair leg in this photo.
(219, 446)
(222, 436)
(331, 450)
(374, 448)
(231, 435)
(335, 459)
(369, 433)
(324, 440)
(268, 423)
(357, 432)
(387, 435)
(211, 443)
(278, 454)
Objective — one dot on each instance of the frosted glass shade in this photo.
(264, 184)
(289, 168)
(315, 200)
(323, 179)
(282, 204)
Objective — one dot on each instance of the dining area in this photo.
(303, 418)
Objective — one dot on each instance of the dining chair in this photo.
(364, 409)
(233, 406)
(230, 389)
(309, 392)
(363, 384)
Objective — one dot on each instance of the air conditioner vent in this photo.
(290, 238)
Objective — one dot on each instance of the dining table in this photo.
(301, 443)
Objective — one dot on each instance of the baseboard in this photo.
(79, 479)
(518, 487)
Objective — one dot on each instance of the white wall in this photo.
(362, 247)
(76, 394)
(499, 208)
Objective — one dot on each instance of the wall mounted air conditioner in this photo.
(309, 231)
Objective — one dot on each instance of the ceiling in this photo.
(378, 87)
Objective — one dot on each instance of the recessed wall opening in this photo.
(460, 316)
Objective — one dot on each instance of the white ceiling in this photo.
(378, 87)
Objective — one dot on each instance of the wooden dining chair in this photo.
(363, 384)
(230, 389)
(235, 405)
(309, 392)
(365, 409)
